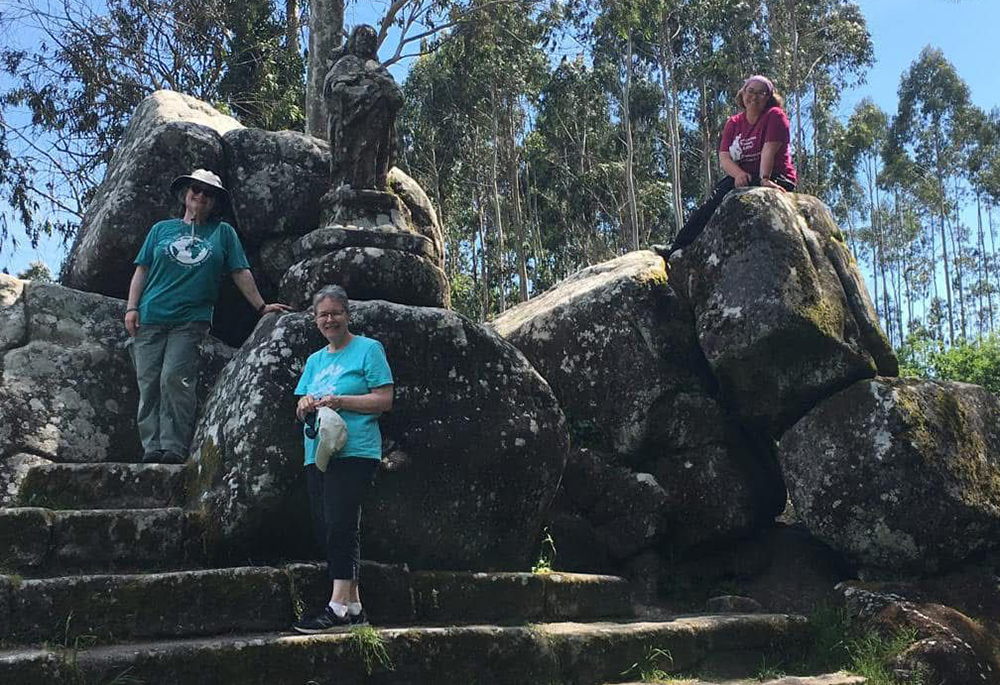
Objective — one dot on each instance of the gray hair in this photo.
(331, 292)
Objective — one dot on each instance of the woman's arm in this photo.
(135, 288)
(741, 177)
(377, 401)
(248, 286)
(768, 154)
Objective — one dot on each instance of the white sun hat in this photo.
(203, 176)
(331, 437)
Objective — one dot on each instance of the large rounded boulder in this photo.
(901, 475)
(781, 311)
(169, 135)
(474, 446)
(669, 468)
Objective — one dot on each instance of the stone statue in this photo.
(362, 100)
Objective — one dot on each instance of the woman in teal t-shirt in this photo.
(351, 376)
(171, 300)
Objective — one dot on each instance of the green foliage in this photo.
(88, 65)
(840, 644)
(651, 667)
(968, 361)
(547, 554)
(36, 271)
(368, 645)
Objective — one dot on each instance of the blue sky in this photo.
(962, 29)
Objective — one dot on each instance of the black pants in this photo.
(335, 500)
(699, 218)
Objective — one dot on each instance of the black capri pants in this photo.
(335, 500)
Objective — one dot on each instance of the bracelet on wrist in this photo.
(260, 309)
(131, 309)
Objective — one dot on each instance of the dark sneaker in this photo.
(359, 620)
(152, 457)
(324, 622)
(663, 250)
(171, 457)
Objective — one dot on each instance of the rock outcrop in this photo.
(169, 135)
(780, 309)
(950, 647)
(68, 390)
(902, 475)
(671, 469)
(279, 183)
(475, 443)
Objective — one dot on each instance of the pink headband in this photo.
(765, 81)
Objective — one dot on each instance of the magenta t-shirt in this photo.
(744, 142)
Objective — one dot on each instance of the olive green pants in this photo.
(166, 366)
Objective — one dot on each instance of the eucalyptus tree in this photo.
(478, 88)
(76, 70)
(816, 47)
(932, 103)
(981, 162)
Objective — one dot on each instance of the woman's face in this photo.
(199, 199)
(331, 318)
(755, 96)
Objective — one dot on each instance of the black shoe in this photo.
(152, 457)
(663, 250)
(324, 622)
(359, 620)
(171, 457)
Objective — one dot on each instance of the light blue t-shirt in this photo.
(185, 267)
(354, 370)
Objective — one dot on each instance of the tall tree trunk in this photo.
(706, 139)
(497, 208)
(292, 26)
(670, 104)
(984, 264)
(633, 213)
(944, 239)
(326, 34)
(514, 185)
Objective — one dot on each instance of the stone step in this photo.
(36, 541)
(839, 678)
(578, 653)
(108, 608)
(103, 486)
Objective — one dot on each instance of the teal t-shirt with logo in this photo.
(354, 370)
(185, 265)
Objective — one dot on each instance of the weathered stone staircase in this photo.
(105, 582)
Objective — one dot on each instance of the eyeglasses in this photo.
(201, 190)
(755, 93)
(330, 315)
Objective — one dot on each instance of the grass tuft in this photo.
(368, 644)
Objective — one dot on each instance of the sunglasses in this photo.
(753, 91)
(197, 189)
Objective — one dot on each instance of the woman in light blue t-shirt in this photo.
(351, 376)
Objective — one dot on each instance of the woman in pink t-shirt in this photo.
(754, 151)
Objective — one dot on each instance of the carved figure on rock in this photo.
(352, 377)
(362, 100)
(170, 304)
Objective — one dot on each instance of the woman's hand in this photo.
(334, 402)
(768, 183)
(274, 307)
(307, 405)
(132, 322)
(742, 179)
